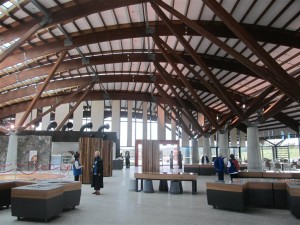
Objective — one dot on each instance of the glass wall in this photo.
(281, 148)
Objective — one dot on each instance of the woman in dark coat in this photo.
(179, 160)
(97, 173)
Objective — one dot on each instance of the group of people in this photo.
(127, 158)
(179, 158)
(97, 171)
(232, 167)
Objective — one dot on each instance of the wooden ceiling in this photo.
(236, 62)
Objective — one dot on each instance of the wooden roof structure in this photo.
(236, 62)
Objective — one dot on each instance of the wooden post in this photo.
(87, 148)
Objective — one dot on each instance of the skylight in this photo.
(7, 4)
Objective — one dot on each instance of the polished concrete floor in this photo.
(117, 204)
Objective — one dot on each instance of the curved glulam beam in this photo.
(42, 88)
(92, 96)
(3, 130)
(69, 14)
(137, 30)
(56, 84)
(211, 61)
(278, 72)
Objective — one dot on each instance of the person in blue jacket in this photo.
(77, 167)
(220, 166)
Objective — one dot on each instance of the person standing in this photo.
(97, 170)
(127, 159)
(204, 159)
(233, 167)
(77, 167)
(171, 160)
(220, 167)
(179, 160)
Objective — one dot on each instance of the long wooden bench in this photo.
(166, 176)
(270, 193)
(204, 169)
(293, 195)
(222, 195)
(272, 175)
(200, 169)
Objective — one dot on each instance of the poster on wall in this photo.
(33, 156)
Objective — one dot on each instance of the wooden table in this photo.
(166, 176)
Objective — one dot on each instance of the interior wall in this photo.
(40, 144)
(3, 150)
(64, 147)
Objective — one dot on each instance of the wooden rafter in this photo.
(279, 73)
(136, 30)
(166, 78)
(256, 103)
(260, 71)
(3, 130)
(227, 100)
(216, 62)
(40, 91)
(178, 118)
(171, 103)
(288, 121)
(18, 43)
(276, 107)
(204, 110)
(183, 105)
(69, 14)
(74, 107)
(66, 99)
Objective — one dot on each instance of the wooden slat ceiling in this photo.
(236, 60)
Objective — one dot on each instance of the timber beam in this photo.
(227, 100)
(40, 91)
(290, 84)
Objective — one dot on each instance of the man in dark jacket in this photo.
(97, 173)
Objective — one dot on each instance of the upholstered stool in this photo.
(148, 186)
(163, 185)
(131, 185)
(175, 187)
